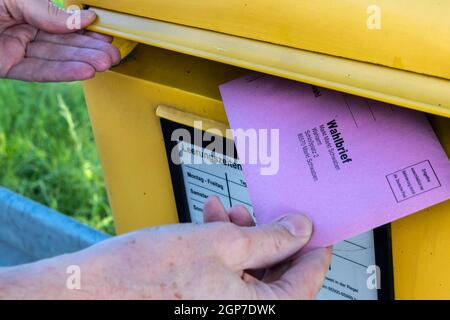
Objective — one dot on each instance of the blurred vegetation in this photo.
(47, 150)
(59, 2)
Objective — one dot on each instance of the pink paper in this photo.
(397, 165)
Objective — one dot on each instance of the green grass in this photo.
(59, 2)
(47, 151)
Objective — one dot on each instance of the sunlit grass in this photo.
(59, 2)
(47, 151)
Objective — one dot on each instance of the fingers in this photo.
(39, 70)
(46, 16)
(76, 62)
(214, 211)
(100, 60)
(82, 41)
(240, 216)
(268, 245)
(22, 32)
(95, 35)
(276, 272)
(302, 280)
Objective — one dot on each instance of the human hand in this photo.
(37, 45)
(210, 261)
(216, 260)
(214, 211)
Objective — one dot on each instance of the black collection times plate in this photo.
(382, 249)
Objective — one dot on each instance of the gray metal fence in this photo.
(30, 231)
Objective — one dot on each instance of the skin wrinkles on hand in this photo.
(37, 45)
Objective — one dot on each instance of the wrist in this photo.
(44, 280)
(25, 282)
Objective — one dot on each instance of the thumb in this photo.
(273, 243)
(302, 280)
(43, 14)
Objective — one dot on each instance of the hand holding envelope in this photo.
(349, 163)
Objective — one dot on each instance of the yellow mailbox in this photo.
(396, 51)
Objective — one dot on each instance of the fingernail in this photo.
(89, 14)
(297, 224)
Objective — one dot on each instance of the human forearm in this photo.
(183, 261)
(46, 280)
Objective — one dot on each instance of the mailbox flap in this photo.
(411, 35)
(391, 85)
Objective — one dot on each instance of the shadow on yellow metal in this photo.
(122, 106)
(400, 87)
(411, 35)
(125, 46)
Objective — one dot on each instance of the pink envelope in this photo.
(351, 164)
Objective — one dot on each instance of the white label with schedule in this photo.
(206, 173)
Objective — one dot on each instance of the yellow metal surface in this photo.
(124, 110)
(414, 35)
(421, 244)
(122, 107)
(408, 89)
(125, 46)
(194, 121)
